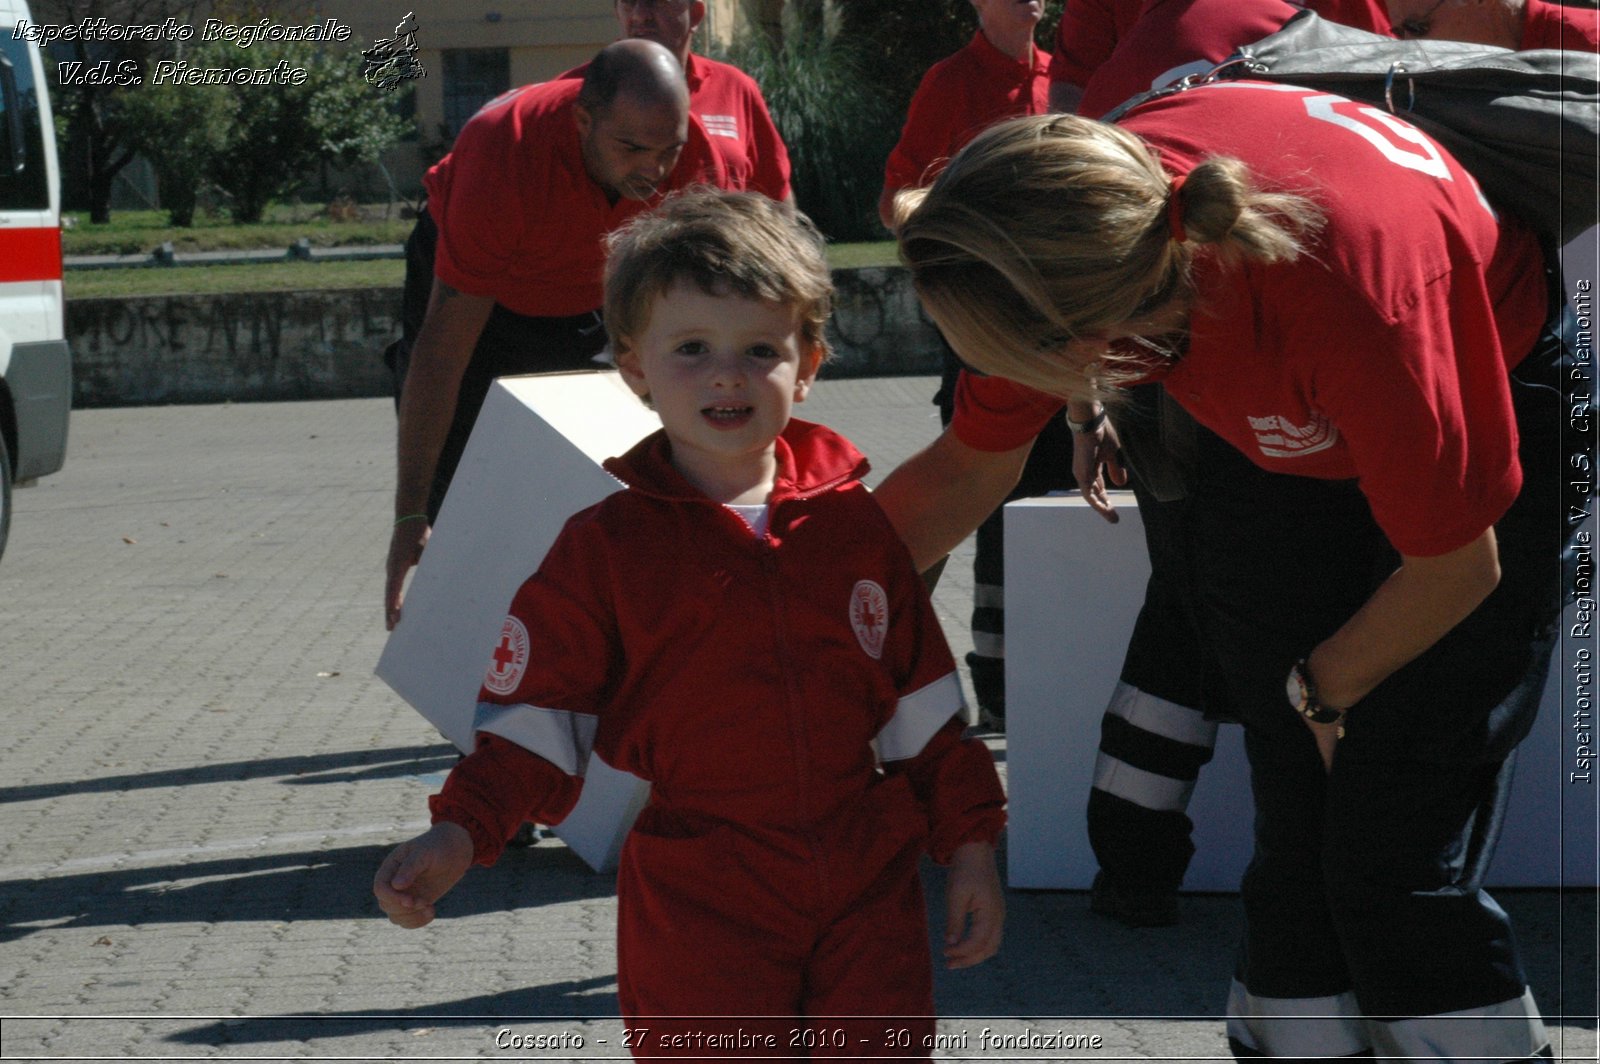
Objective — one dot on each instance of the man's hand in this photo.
(405, 551)
(439, 358)
(418, 873)
(975, 906)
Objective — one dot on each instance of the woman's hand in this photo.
(1327, 737)
(1097, 458)
(1409, 612)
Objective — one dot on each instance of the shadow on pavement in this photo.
(333, 884)
(575, 998)
(358, 765)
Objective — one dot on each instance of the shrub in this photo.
(835, 120)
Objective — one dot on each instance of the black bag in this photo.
(1525, 124)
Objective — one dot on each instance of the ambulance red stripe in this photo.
(30, 254)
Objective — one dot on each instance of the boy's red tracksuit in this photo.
(792, 702)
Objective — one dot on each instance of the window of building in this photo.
(472, 77)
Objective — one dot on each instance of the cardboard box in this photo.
(1067, 628)
(532, 462)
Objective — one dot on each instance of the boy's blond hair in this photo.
(1055, 228)
(725, 242)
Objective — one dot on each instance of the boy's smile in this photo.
(724, 373)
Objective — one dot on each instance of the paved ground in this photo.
(199, 773)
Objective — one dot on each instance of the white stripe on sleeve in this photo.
(918, 716)
(563, 738)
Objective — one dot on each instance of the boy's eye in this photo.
(764, 351)
(691, 347)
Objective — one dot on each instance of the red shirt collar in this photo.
(1001, 65)
(811, 458)
(693, 74)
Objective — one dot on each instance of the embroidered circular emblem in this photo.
(869, 616)
(510, 658)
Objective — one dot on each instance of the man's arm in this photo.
(443, 348)
(941, 494)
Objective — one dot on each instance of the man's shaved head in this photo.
(644, 71)
(633, 118)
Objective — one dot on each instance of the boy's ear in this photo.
(810, 363)
(628, 365)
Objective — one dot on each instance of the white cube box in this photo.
(1067, 628)
(532, 462)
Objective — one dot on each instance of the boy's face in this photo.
(723, 372)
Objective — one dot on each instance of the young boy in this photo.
(743, 628)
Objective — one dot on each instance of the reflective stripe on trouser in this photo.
(1153, 741)
(1151, 752)
(1333, 1026)
(1312, 1027)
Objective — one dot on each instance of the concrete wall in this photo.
(328, 345)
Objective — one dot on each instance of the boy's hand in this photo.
(418, 873)
(972, 889)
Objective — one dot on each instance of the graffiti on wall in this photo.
(325, 345)
(282, 345)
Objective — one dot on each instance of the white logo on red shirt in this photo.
(869, 616)
(1278, 437)
(510, 658)
(721, 125)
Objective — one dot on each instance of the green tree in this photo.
(838, 77)
(97, 139)
(181, 129)
(282, 132)
(834, 119)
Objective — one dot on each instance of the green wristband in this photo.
(410, 517)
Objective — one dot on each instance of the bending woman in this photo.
(1327, 292)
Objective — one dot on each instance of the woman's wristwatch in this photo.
(1085, 427)
(1302, 692)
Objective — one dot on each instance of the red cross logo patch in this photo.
(509, 660)
(869, 616)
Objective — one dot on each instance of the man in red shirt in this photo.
(1519, 24)
(999, 74)
(521, 207)
(725, 99)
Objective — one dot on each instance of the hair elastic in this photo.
(1175, 209)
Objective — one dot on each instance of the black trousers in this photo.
(1366, 917)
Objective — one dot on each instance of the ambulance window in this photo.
(23, 184)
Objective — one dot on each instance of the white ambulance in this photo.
(35, 363)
